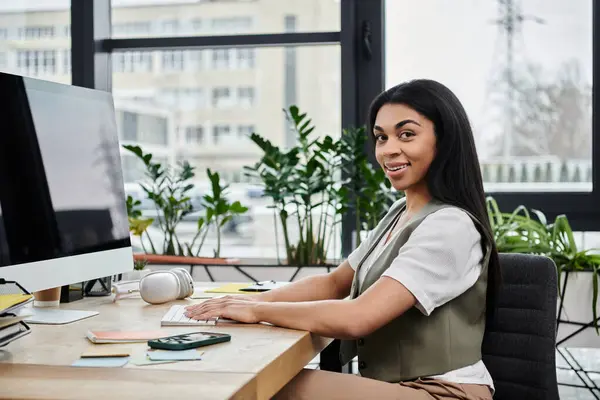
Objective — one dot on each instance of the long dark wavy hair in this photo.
(454, 176)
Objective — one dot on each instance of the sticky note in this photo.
(101, 362)
(175, 355)
(106, 351)
(142, 359)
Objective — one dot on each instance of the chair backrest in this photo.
(519, 342)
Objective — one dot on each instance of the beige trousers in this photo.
(436, 389)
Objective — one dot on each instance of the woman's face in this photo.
(405, 145)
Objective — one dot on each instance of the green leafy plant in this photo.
(169, 189)
(369, 192)
(219, 210)
(139, 265)
(138, 225)
(519, 232)
(301, 181)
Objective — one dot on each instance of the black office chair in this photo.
(519, 342)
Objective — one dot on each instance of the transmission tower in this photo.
(510, 23)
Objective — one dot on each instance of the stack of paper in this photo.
(12, 325)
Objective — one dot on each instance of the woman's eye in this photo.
(406, 134)
(379, 137)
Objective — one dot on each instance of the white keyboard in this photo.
(175, 317)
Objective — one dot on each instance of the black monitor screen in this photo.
(73, 130)
(4, 255)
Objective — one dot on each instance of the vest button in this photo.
(362, 365)
(361, 342)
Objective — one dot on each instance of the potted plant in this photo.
(139, 270)
(301, 183)
(519, 232)
(169, 191)
(314, 183)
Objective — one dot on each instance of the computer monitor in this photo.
(63, 216)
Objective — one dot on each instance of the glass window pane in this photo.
(35, 40)
(225, 17)
(523, 70)
(205, 114)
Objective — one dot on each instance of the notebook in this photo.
(125, 336)
(175, 317)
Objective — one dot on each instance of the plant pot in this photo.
(166, 259)
(574, 309)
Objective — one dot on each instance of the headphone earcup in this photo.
(160, 287)
(186, 283)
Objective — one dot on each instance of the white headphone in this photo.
(163, 286)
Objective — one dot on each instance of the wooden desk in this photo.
(257, 362)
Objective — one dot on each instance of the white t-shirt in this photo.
(440, 261)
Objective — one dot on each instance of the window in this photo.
(173, 60)
(36, 32)
(142, 127)
(194, 134)
(132, 61)
(197, 25)
(222, 97)
(214, 110)
(245, 57)
(221, 58)
(66, 61)
(528, 91)
(245, 96)
(36, 62)
(245, 130)
(221, 133)
(133, 18)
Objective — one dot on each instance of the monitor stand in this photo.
(53, 316)
(45, 309)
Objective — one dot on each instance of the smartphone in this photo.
(188, 340)
(264, 286)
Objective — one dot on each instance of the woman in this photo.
(417, 286)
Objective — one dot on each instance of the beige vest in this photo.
(414, 345)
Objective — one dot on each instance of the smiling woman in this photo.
(411, 300)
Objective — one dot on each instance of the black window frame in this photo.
(362, 42)
(361, 39)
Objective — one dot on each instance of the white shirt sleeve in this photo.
(441, 259)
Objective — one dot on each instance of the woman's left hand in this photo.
(224, 307)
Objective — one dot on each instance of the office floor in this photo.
(589, 359)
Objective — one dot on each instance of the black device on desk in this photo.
(263, 286)
(189, 340)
